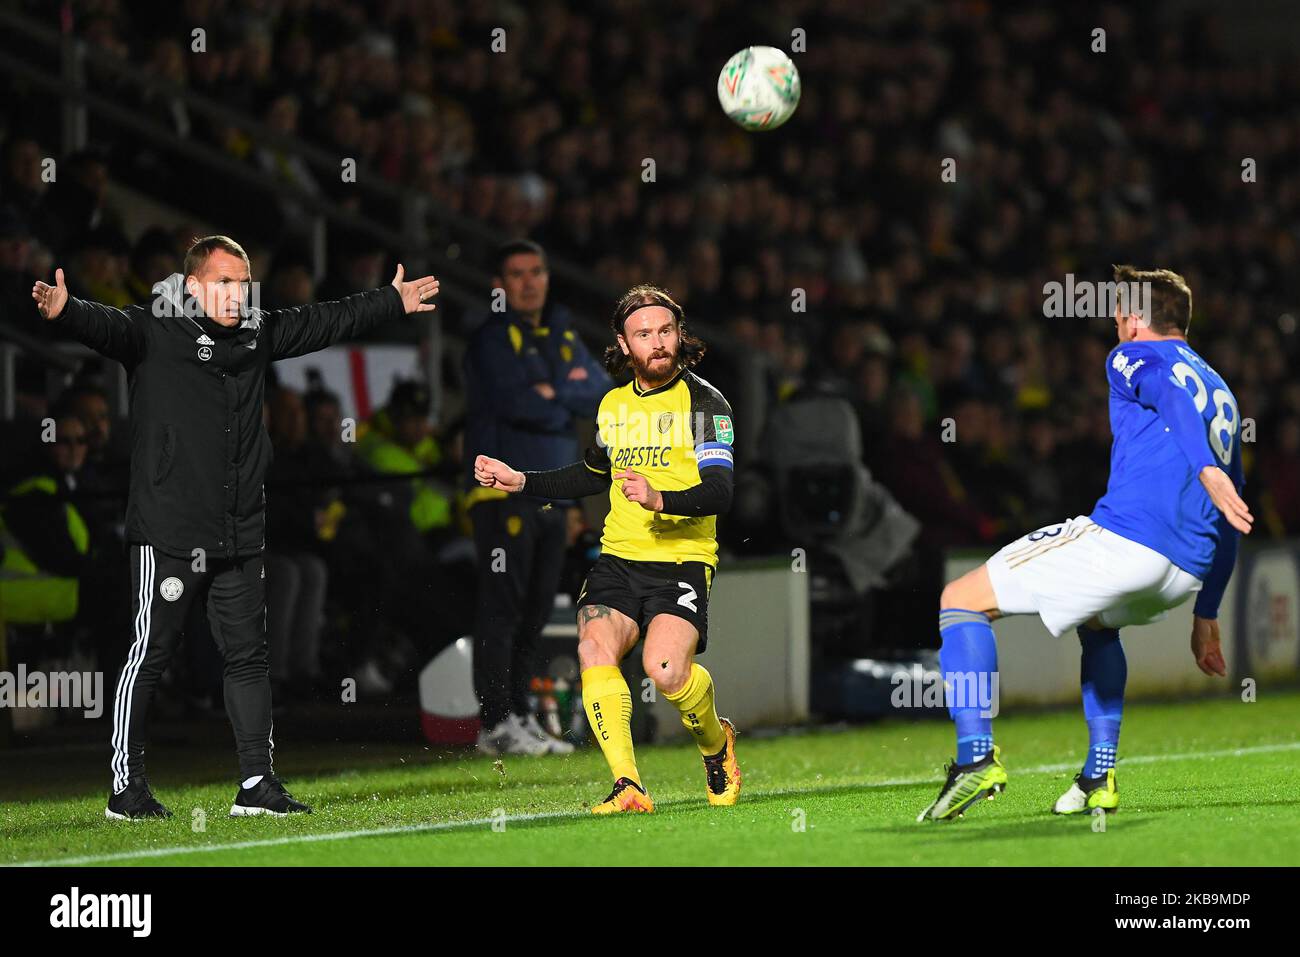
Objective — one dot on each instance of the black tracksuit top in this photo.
(199, 448)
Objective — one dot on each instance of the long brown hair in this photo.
(690, 350)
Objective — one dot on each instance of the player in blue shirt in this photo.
(1166, 529)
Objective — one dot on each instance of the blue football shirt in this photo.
(1171, 414)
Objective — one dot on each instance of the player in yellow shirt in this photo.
(664, 453)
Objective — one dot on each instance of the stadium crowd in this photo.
(834, 249)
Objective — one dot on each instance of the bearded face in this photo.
(651, 341)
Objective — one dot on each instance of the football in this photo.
(759, 88)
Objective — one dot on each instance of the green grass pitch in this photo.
(1210, 782)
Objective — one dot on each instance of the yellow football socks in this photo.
(608, 701)
(695, 701)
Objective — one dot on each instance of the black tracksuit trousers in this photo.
(520, 549)
(163, 588)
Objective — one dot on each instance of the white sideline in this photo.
(147, 853)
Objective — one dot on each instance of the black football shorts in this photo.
(642, 590)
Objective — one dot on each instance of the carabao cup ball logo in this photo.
(171, 588)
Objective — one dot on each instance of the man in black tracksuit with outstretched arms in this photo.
(196, 356)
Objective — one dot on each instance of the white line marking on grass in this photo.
(1052, 768)
(146, 853)
(157, 852)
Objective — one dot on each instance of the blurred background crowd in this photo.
(832, 251)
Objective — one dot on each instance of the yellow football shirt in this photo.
(666, 434)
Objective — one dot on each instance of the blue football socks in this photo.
(1103, 671)
(968, 659)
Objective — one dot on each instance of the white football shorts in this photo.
(1069, 572)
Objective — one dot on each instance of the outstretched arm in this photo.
(571, 481)
(111, 332)
(304, 329)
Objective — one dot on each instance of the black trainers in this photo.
(135, 803)
(267, 796)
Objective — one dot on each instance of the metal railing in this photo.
(60, 361)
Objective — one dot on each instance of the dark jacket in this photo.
(199, 450)
(506, 417)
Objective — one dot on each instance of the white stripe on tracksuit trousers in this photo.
(126, 681)
(235, 594)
